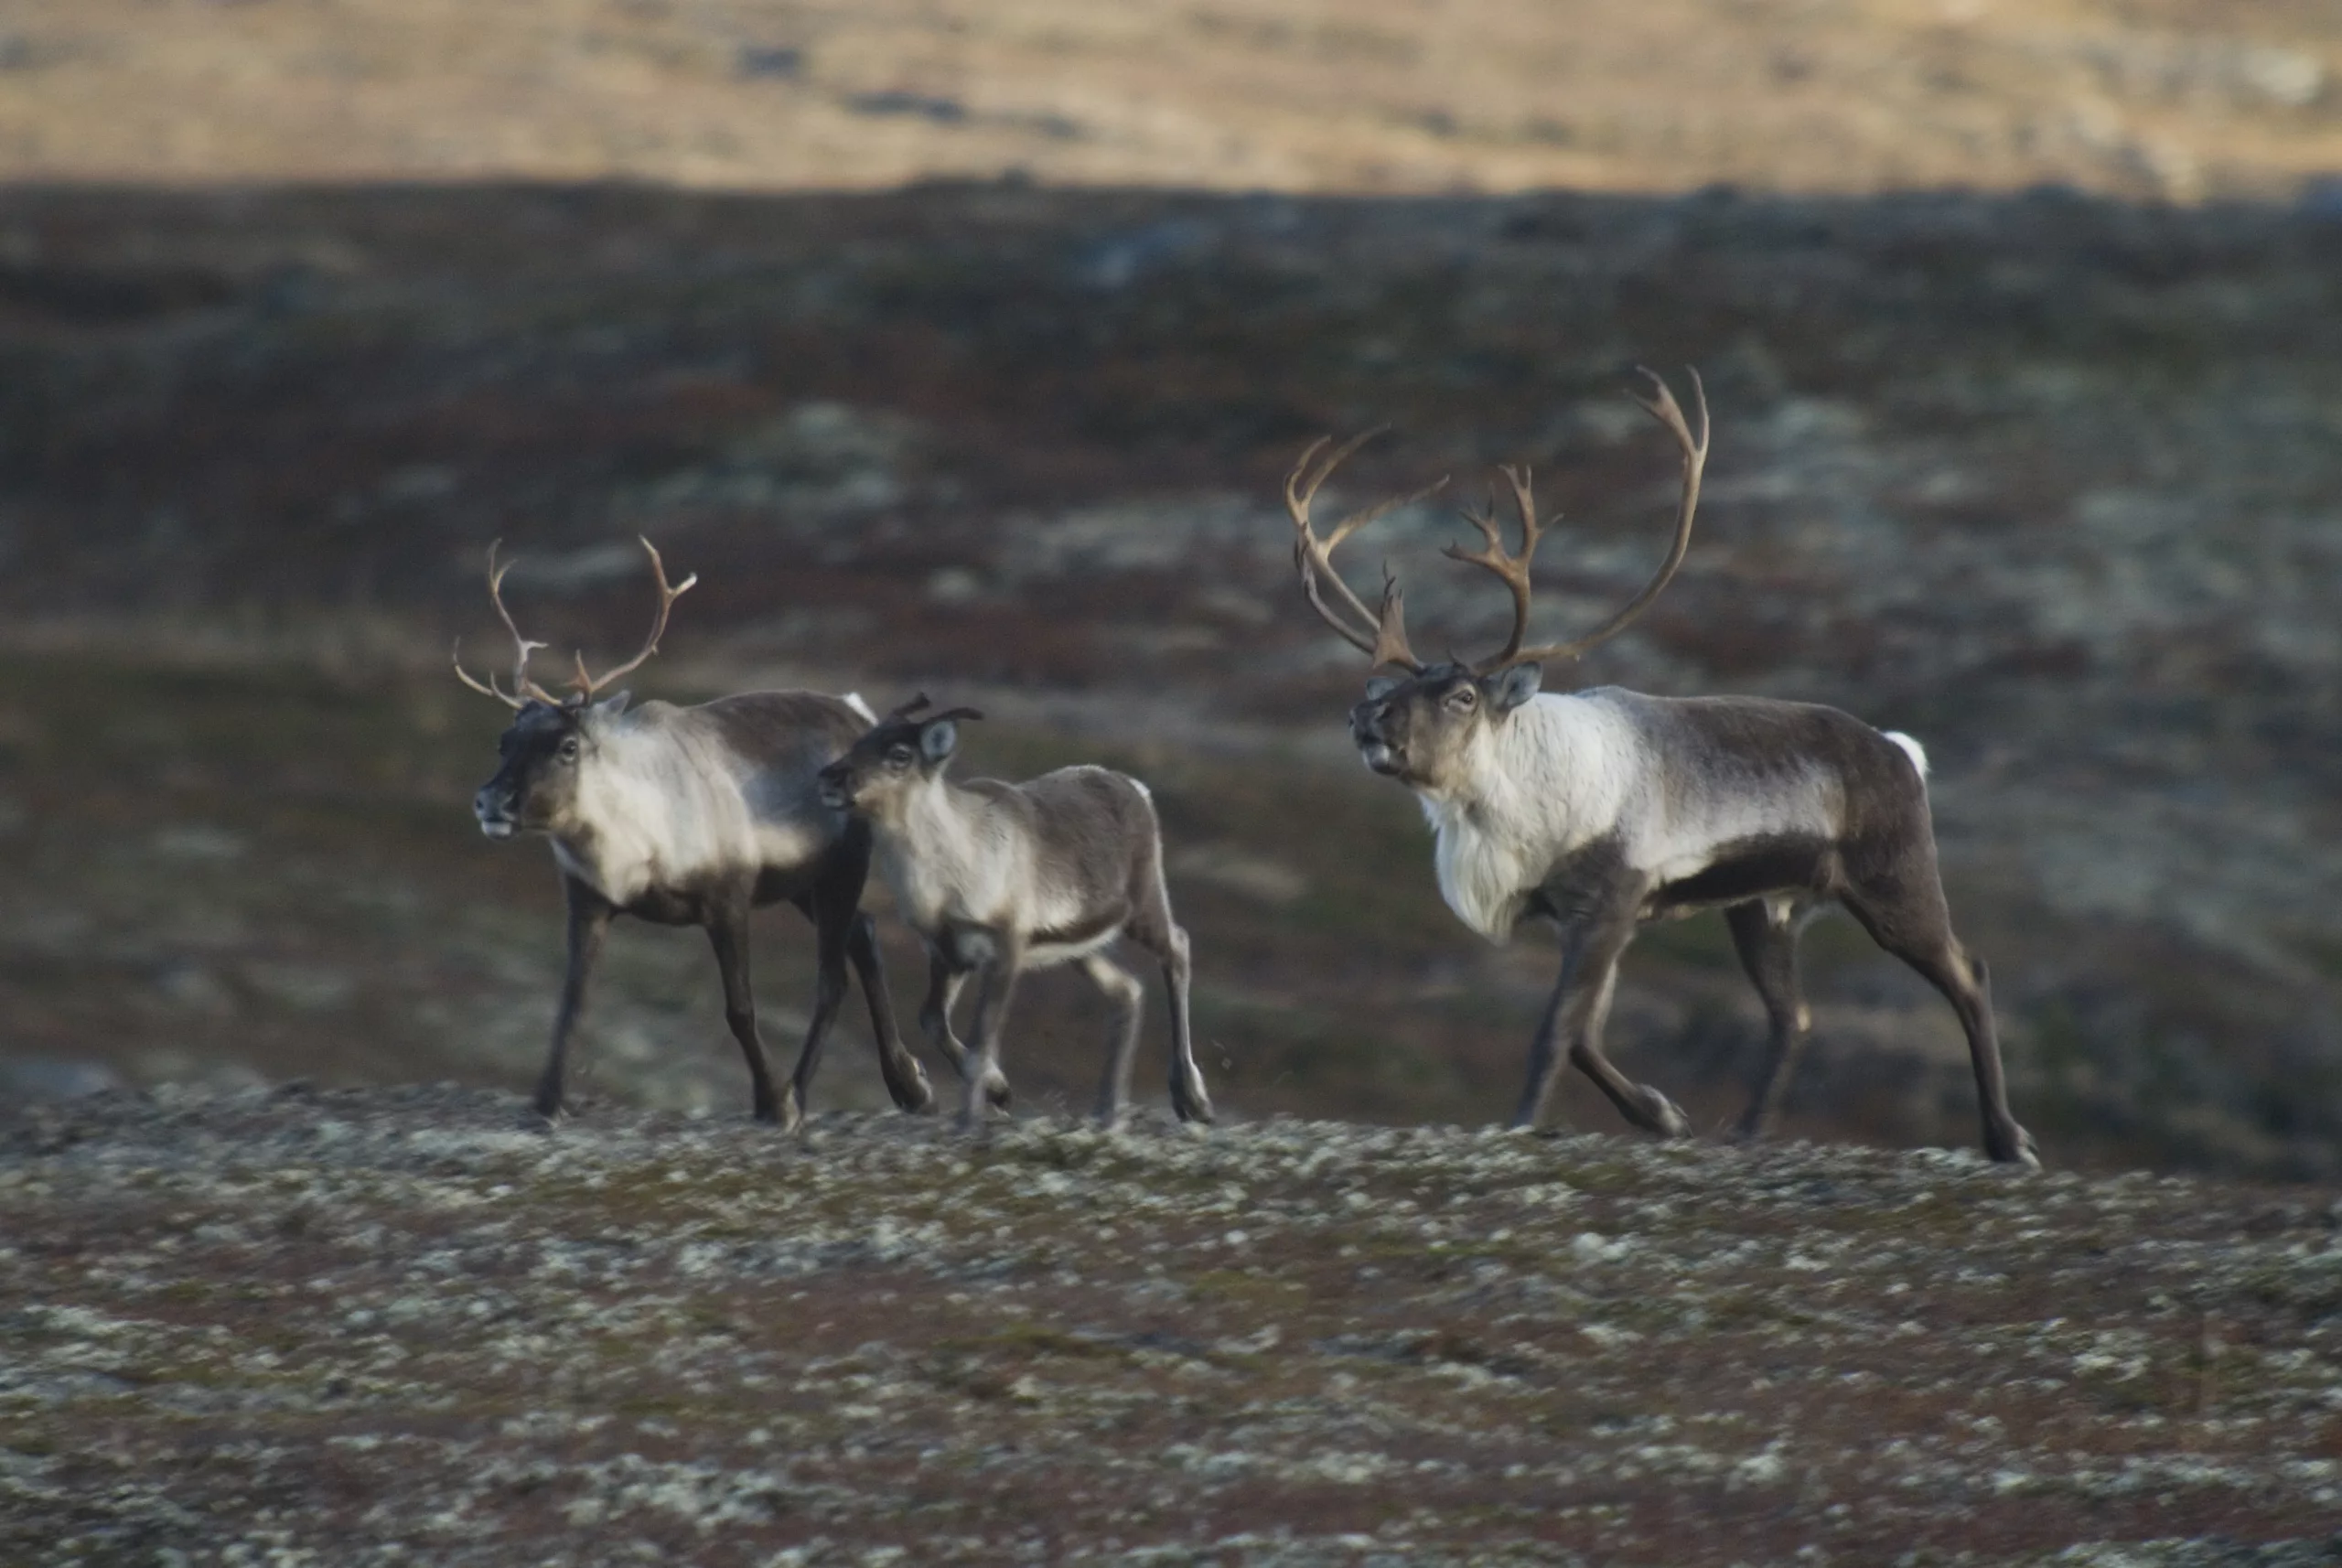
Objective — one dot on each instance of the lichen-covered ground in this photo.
(399, 1325)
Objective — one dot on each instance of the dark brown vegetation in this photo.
(2046, 480)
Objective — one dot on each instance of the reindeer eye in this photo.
(1462, 698)
(569, 748)
(899, 757)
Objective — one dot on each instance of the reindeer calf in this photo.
(999, 878)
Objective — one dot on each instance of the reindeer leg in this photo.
(1592, 944)
(905, 1079)
(727, 932)
(837, 900)
(1154, 929)
(1899, 901)
(1004, 958)
(1768, 947)
(589, 922)
(829, 993)
(944, 980)
(1189, 1101)
(1595, 899)
(1121, 987)
(1640, 1103)
(1918, 930)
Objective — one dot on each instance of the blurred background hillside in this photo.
(2158, 98)
(962, 347)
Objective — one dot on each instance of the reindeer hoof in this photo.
(912, 1094)
(2013, 1145)
(1190, 1104)
(1665, 1118)
(998, 1093)
(543, 1117)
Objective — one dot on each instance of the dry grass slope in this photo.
(2172, 99)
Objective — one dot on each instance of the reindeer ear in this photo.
(938, 740)
(1382, 686)
(1510, 688)
(611, 706)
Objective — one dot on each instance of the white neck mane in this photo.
(659, 803)
(1546, 781)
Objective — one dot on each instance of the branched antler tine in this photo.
(588, 684)
(489, 690)
(1660, 405)
(1525, 500)
(523, 688)
(1317, 465)
(524, 647)
(1391, 628)
(1485, 520)
(1511, 569)
(1298, 494)
(1381, 635)
(1309, 576)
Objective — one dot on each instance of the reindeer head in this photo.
(552, 740)
(547, 748)
(1421, 728)
(898, 754)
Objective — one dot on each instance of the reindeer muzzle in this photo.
(495, 814)
(1374, 748)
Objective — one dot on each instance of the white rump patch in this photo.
(853, 699)
(1912, 749)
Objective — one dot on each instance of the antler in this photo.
(586, 685)
(1514, 569)
(525, 688)
(1381, 634)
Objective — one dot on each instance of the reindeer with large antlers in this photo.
(693, 816)
(1605, 808)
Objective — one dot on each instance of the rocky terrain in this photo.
(395, 1326)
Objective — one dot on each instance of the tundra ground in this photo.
(395, 1326)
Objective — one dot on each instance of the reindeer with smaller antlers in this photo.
(1605, 808)
(693, 816)
(1000, 878)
